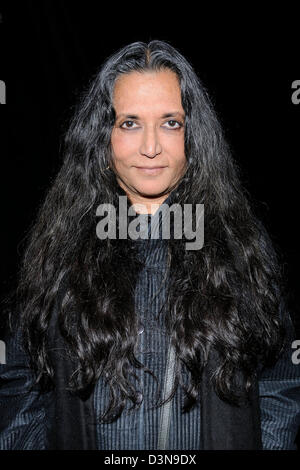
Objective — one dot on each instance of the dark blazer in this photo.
(55, 420)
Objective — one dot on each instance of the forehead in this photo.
(147, 90)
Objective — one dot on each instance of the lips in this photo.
(150, 167)
(154, 170)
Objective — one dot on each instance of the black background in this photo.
(247, 58)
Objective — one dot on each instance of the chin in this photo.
(152, 192)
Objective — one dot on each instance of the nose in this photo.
(150, 145)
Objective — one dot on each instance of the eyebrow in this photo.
(166, 115)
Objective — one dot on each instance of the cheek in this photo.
(176, 152)
(122, 146)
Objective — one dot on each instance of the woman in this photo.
(138, 343)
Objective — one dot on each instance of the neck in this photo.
(144, 205)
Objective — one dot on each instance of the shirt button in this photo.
(141, 330)
(139, 397)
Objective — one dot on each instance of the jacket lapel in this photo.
(225, 426)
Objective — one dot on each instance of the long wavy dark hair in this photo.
(226, 295)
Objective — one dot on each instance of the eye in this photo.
(127, 125)
(173, 124)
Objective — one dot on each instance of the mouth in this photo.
(154, 170)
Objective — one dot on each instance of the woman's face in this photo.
(148, 135)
